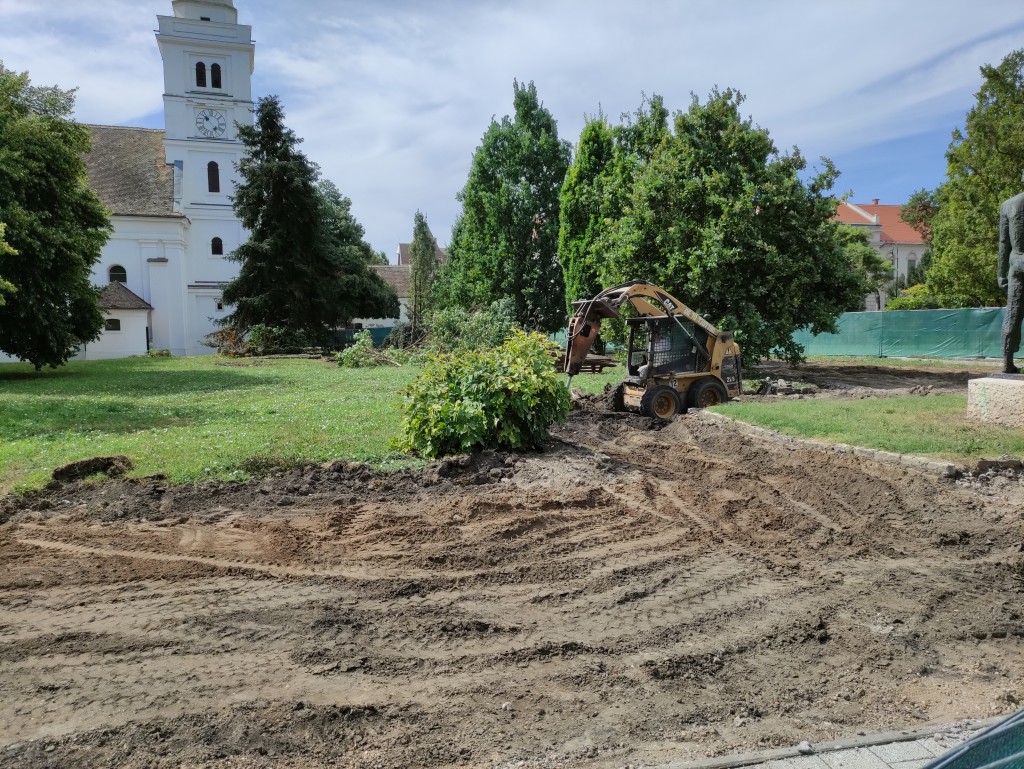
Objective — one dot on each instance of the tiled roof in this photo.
(117, 296)
(128, 170)
(396, 276)
(405, 254)
(894, 229)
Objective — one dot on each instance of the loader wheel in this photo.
(615, 400)
(660, 402)
(707, 392)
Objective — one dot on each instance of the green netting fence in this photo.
(974, 333)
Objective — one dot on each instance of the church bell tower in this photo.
(208, 62)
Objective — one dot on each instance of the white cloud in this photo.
(393, 97)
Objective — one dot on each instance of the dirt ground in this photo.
(634, 595)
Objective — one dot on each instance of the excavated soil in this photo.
(636, 594)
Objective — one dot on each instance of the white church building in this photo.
(169, 191)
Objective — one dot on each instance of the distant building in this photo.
(888, 234)
(398, 276)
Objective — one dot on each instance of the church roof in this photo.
(396, 276)
(128, 170)
(117, 296)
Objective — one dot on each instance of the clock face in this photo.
(211, 123)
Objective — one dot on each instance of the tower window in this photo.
(220, 306)
(215, 76)
(217, 247)
(213, 176)
(200, 75)
(118, 274)
(204, 18)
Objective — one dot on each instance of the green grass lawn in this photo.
(194, 418)
(202, 417)
(932, 426)
(207, 417)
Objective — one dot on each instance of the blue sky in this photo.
(393, 96)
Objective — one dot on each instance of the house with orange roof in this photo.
(888, 234)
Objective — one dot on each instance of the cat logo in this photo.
(666, 301)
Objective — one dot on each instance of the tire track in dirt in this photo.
(632, 595)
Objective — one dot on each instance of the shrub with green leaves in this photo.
(454, 328)
(359, 354)
(505, 397)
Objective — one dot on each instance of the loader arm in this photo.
(645, 298)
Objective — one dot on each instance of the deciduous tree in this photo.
(984, 164)
(55, 225)
(505, 241)
(872, 269)
(304, 267)
(719, 217)
(6, 287)
(598, 190)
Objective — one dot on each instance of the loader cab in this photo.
(662, 346)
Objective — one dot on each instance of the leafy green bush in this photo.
(505, 397)
(360, 353)
(453, 328)
(914, 298)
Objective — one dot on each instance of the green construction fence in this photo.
(973, 333)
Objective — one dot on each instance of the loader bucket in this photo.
(582, 333)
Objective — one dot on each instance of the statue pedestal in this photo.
(998, 399)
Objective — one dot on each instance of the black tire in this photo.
(615, 399)
(661, 402)
(707, 392)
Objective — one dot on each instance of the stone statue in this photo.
(1010, 274)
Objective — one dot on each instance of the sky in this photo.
(392, 97)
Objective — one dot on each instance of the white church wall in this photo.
(204, 309)
(128, 338)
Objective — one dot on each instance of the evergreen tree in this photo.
(304, 267)
(505, 241)
(423, 270)
(984, 165)
(55, 226)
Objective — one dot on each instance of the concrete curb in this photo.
(923, 464)
(849, 743)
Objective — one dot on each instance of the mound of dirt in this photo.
(637, 593)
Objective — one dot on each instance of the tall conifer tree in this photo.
(422, 271)
(304, 266)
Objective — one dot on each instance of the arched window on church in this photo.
(118, 274)
(213, 176)
(217, 247)
(200, 75)
(215, 76)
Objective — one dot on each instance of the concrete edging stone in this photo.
(847, 743)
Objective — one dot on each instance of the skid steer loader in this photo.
(675, 359)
